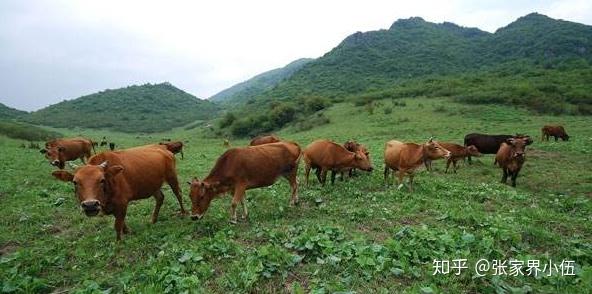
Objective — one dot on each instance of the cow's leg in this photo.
(324, 176)
(555, 138)
(182, 156)
(120, 227)
(306, 173)
(174, 184)
(454, 165)
(428, 164)
(469, 159)
(505, 175)
(239, 194)
(245, 215)
(159, 197)
(386, 174)
(318, 174)
(293, 186)
(333, 174)
(411, 175)
(401, 176)
(447, 165)
(514, 176)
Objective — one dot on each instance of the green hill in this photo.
(414, 48)
(9, 112)
(536, 61)
(145, 108)
(260, 83)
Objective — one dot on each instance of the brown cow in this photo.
(175, 147)
(555, 131)
(241, 169)
(325, 156)
(354, 146)
(458, 152)
(405, 158)
(60, 151)
(510, 157)
(260, 140)
(111, 180)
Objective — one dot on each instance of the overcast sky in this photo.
(56, 50)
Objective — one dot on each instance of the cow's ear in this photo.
(114, 170)
(63, 175)
(43, 151)
(61, 148)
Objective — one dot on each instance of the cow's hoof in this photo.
(233, 221)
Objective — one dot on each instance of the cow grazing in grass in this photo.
(111, 180)
(510, 157)
(260, 140)
(175, 147)
(353, 146)
(60, 151)
(555, 131)
(241, 169)
(490, 144)
(458, 152)
(405, 158)
(324, 156)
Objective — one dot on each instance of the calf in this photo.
(556, 131)
(458, 152)
(111, 180)
(175, 147)
(405, 158)
(59, 151)
(510, 157)
(325, 155)
(241, 169)
(260, 140)
(354, 146)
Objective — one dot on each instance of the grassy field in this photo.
(356, 236)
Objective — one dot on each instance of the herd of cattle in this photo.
(109, 180)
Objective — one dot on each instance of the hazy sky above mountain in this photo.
(56, 50)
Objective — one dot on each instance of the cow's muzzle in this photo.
(91, 207)
(519, 154)
(55, 163)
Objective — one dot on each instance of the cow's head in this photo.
(91, 185)
(201, 194)
(433, 150)
(565, 137)
(473, 151)
(55, 155)
(362, 161)
(518, 146)
(527, 139)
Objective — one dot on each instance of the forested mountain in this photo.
(536, 61)
(259, 83)
(145, 108)
(9, 112)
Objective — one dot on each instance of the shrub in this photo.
(388, 110)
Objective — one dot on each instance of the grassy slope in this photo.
(356, 235)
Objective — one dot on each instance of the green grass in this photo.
(357, 235)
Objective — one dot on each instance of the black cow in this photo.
(490, 144)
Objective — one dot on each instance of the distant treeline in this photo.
(26, 132)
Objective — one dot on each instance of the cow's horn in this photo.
(104, 164)
(431, 139)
